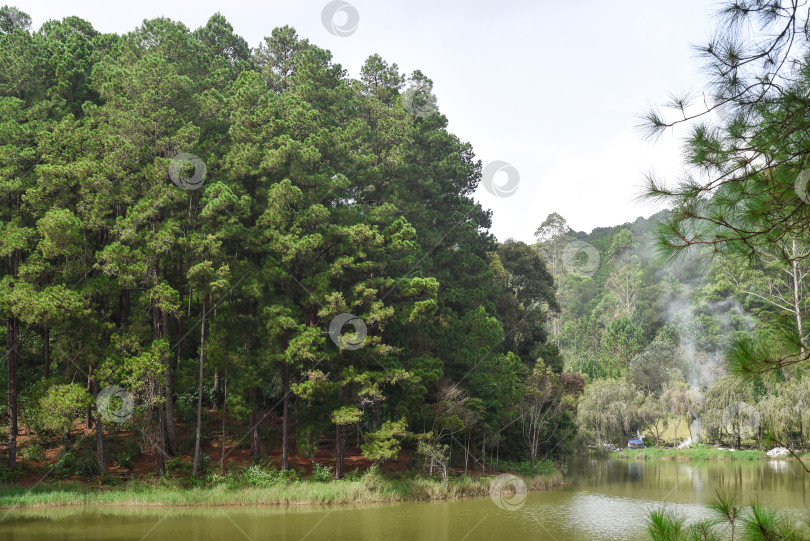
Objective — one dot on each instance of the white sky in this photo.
(553, 88)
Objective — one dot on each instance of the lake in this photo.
(602, 499)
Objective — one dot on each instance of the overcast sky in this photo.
(552, 88)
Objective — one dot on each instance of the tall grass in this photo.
(256, 487)
(696, 452)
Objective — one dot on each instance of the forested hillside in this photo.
(654, 334)
(208, 247)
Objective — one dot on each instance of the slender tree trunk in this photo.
(157, 411)
(171, 428)
(102, 466)
(160, 448)
(180, 332)
(483, 455)
(12, 343)
(224, 415)
(376, 407)
(466, 452)
(46, 340)
(195, 469)
(88, 415)
(797, 299)
(340, 450)
(285, 422)
(216, 386)
(255, 419)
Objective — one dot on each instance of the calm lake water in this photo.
(602, 499)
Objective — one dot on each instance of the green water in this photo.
(605, 499)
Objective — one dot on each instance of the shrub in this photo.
(175, 464)
(124, 459)
(34, 452)
(353, 475)
(306, 440)
(256, 476)
(67, 463)
(204, 462)
(86, 466)
(322, 473)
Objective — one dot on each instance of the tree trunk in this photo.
(171, 428)
(224, 415)
(88, 415)
(216, 387)
(483, 455)
(156, 409)
(797, 303)
(285, 421)
(255, 441)
(160, 448)
(46, 340)
(102, 466)
(340, 450)
(466, 453)
(12, 343)
(376, 407)
(195, 469)
(180, 333)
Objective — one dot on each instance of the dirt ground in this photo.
(143, 465)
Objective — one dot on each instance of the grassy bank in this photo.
(253, 486)
(696, 452)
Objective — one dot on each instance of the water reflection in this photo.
(775, 482)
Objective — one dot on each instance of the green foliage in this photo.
(608, 411)
(384, 444)
(34, 452)
(323, 196)
(60, 405)
(729, 521)
(322, 473)
(346, 415)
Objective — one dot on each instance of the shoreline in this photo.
(706, 454)
(370, 489)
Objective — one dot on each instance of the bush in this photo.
(175, 464)
(353, 475)
(66, 464)
(306, 440)
(8, 476)
(124, 459)
(204, 462)
(322, 473)
(34, 452)
(87, 466)
(525, 469)
(70, 464)
(253, 476)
